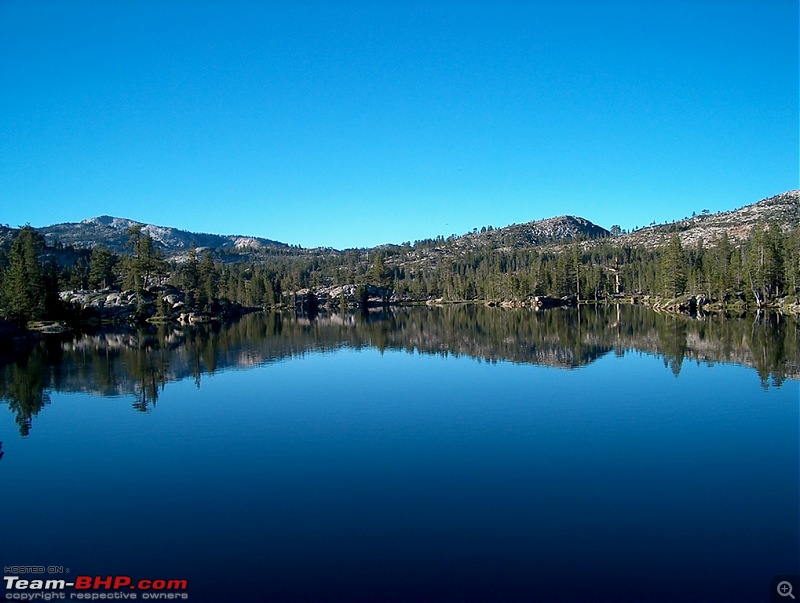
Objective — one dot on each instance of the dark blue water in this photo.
(352, 474)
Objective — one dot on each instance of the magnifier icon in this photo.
(785, 589)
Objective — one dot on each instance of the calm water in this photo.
(456, 454)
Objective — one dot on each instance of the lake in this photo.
(449, 454)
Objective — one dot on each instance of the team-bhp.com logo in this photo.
(93, 588)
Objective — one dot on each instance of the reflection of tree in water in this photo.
(770, 343)
(149, 371)
(672, 335)
(148, 364)
(140, 362)
(24, 384)
(773, 340)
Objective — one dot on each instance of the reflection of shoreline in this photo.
(139, 363)
(557, 338)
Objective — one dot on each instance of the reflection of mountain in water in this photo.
(141, 362)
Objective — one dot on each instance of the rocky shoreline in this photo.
(162, 303)
(692, 304)
(168, 304)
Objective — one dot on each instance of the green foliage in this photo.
(207, 282)
(24, 385)
(792, 262)
(145, 265)
(25, 282)
(764, 266)
(79, 279)
(760, 270)
(101, 268)
(721, 268)
(672, 268)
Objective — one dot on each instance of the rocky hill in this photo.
(111, 233)
(556, 231)
(738, 223)
(540, 232)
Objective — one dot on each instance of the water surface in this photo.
(450, 454)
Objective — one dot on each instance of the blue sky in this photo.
(358, 123)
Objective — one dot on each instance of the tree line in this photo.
(756, 272)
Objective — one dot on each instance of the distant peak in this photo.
(110, 221)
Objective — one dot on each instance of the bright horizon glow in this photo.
(348, 124)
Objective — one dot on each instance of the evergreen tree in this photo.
(565, 277)
(764, 263)
(145, 264)
(720, 266)
(79, 276)
(379, 275)
(190, 275)
(207, 282)
(101, 268)
(672, 268)
(24, 285)
(576, 260)
(792, 262)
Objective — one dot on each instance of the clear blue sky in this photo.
(359, 123)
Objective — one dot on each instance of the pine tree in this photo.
(672, 268)
(190, 275)
(792, 262)
(101, 268)
(721, 269)
(24, 283)
(145, 265)
(208, 281)
(576, 260)
(764, 263)
(79, 277)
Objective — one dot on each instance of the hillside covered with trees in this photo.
(753, 269)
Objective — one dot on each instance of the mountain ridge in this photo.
(783, 208)
(110, 232)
